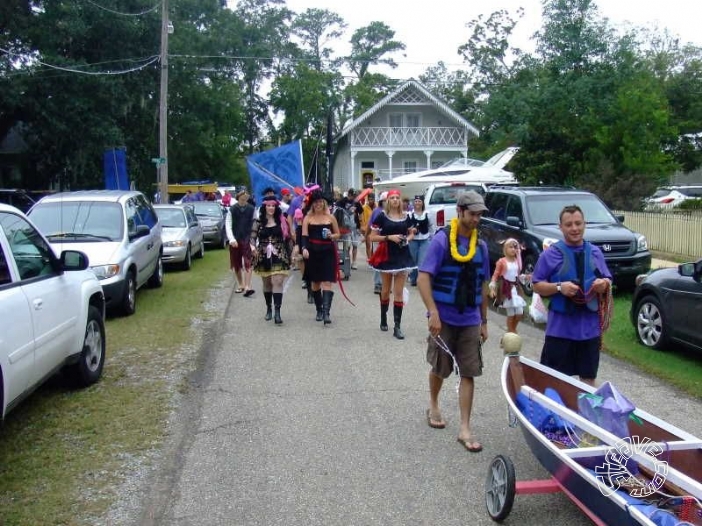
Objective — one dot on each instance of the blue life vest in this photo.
(569, 272)
(459, 284)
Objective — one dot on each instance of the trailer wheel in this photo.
(500, 488)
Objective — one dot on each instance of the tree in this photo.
(371, 45)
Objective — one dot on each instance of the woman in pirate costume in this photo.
(320, 231)
(272, 254)
(392, 230)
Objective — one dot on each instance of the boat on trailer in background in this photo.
(595, 474)
(461, 170)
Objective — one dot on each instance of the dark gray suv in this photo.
(530, 215)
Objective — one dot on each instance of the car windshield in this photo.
(205, 208)
(661, 192)
(82, 220)
(545, 209)
(171, 217)
(448, 195)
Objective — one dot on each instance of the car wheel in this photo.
(650, 323)
(528, 269)
(201, 252)
(88, 369)
(156, 279)
(188, 261)
(129, 298)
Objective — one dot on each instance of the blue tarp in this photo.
(277, 168)
(115, 169)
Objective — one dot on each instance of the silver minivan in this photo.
(118, 230)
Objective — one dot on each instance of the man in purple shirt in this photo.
(453, 284)
(573, 273)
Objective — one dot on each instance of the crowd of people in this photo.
(450, 267)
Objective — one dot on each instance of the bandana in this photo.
(393, 192)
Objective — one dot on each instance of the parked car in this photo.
(52, 312)
(118, 230)
(667, 197)
(666, 307)
(531, 216)
(440, 201)
(181, 235)
(211, 216)
(20, 199)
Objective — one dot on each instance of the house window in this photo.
(409, 166)
(395, 121)
(412, 120)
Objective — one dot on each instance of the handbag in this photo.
(537, 310)
(380, 254)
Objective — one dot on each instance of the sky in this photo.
(433, 30)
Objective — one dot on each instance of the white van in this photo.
(118, 230)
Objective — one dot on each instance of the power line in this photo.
(149, 10)
(147, 61)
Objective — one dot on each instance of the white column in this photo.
(428, 154)
(390, 153)
(352, 178)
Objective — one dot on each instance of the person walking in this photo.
(320, 231)
(420, 242)
(271, 245)
(238, 227)
(364, 219)
(377, 283)
(506, 286)
(453, 285)
(393, 230)
(574, 274)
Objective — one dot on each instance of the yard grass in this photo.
(676, 365)
(63, 452)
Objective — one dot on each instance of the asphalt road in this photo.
(304, 425)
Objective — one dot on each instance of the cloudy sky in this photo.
(433, 30)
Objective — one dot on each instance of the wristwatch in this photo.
(558, 286)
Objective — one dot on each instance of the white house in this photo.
(409, 130)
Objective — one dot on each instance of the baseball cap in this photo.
(285, 191)
(383, 196)
(471, 200)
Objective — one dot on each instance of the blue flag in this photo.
(277, 168)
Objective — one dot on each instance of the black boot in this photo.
(317, 295)
(327, 296)
(269, 313)
(384, 306)
(278, 301)
(310, 296)
(397, 315)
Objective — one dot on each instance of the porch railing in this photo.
(409, 137)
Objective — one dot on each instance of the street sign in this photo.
(158, 160)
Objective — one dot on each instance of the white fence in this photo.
(672, 233)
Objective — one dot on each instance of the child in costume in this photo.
(509, 289)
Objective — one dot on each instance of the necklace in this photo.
(455, 254)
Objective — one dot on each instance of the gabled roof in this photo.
(409, 84)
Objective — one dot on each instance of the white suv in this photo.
(51, 312)
(118, 230)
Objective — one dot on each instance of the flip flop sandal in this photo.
(249, 292)
(470, 444)
(238, 291)
(435, 423)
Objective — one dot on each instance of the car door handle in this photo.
(38, 304)
(150, 246)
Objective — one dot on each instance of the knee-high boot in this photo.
(327, 296)
(397, 315)
(317, 295)
(277, 301)
(384, 307)
(269, 313)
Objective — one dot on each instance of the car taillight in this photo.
(440, 218)
(667, 200)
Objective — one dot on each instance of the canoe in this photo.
(590, 467)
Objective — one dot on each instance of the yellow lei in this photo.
(454, 243)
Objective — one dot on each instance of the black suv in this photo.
(530, 215)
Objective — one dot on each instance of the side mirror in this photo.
(514, 221)
(620, 218)
(74, 260)
(141, 231)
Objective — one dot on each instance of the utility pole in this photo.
(162, 162)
